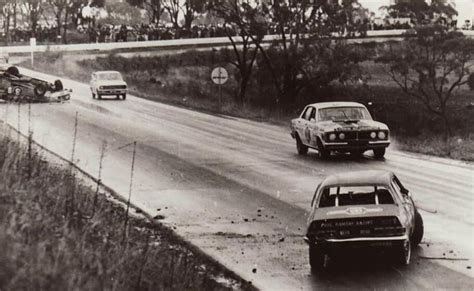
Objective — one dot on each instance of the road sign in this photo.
(219, 75)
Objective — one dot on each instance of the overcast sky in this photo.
(465, 8)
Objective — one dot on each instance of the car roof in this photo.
(353, 178)
(320, 105)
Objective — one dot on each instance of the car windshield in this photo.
(355, 195)
(343, 113)
(112, 76)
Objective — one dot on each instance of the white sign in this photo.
(32, 41)
(219, 75)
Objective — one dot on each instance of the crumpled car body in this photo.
(21, 88)
(364, 209)
(341, 127)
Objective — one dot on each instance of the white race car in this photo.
(108, 83)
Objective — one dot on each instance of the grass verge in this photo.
(57, 233)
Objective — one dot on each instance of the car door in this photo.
(302, 124)
(310, 127)
(407, 202)
(299, 124)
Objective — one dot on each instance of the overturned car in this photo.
(368, 210)
(20, 88)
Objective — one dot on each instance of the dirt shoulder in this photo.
(59, 231)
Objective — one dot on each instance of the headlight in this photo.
(332, 136)
(342, 136)
(101, 87)
(373, 135)
(382, 135)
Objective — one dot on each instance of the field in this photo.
(184, 79)
(58, 233)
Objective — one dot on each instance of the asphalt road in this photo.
(238, 190)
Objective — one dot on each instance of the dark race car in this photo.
(365, 210)
(17, 87)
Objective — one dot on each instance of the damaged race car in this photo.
(20, 88)
(366, 210)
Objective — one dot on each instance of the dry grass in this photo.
(52, 239)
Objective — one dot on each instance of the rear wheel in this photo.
(317, 258)
(300, 147)
(403, 253)
(417, 235)
(379, 153)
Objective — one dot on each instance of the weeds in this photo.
(44, 249)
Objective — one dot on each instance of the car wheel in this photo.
(93, 95)
(117, 97)
(317, 258)
(379, 153)
(322, 152)
(124, 96)
(419, 229)
(99, 96)
(403, 253)
(40, 90)
(13, 71)
(300, 147)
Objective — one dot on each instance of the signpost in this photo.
(219, 76)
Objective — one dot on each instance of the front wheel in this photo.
(317, 258)
(379, 153)
(300, 147)
(124, 96)
(322, 152)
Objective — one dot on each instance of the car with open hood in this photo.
(109, 83)
(368, 209)
(341, 127)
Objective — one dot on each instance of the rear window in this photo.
(355, 195)
(109, 76)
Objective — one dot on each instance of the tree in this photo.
(173, 7)
(420, 10)
(246, 19)
(191, 8)
(431, 66)
(309, 31)
(34, 10)
(59, 8)
(8, 10)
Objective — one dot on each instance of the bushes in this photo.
(53, 240)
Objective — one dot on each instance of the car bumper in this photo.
(112, 91)
(386, 241)
(356, 145)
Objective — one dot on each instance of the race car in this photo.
(341, 127)
(17, 87)
(109, 83)
(360, 210)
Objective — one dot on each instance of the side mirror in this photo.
(406, 192)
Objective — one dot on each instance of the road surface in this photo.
(238, 190)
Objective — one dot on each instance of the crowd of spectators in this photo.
(144, 32)
(43, 34)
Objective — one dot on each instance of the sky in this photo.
(465, 8)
